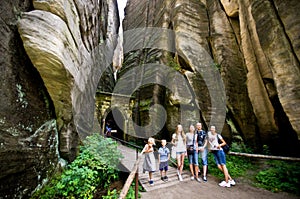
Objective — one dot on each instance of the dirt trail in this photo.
(211, 190)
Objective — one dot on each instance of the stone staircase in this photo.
(158, 183)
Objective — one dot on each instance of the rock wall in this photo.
(49, 55)
(234, 64)
(28, 135)
(254, 46)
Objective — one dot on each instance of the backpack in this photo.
(226, 147)
(201, 137)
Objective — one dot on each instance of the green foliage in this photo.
(95, 167)
(266, 150)
(173, 64)
(111, 194)
(131, 192)
(216, 66)
(115, 195)
(280, 176)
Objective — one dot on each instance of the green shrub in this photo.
(95, 167)
(114, 194)
(280, 176)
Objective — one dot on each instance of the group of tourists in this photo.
(193, 144)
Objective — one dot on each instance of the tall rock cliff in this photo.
(229, 63)
(254, 46)
(49, 49)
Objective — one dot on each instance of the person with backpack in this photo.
(201, 139)
(219, 155)
(192, 153)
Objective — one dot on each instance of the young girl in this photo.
(149, 162)
(179, 141)
(219, 156)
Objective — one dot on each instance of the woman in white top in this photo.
(179, 141)
(219, 155)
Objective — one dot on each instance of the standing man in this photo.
(202, 148)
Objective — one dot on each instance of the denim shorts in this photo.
(181, 152)
(203, 155)
(219, 157)
(163, 166)
(193, 158)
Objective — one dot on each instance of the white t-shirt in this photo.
(180, 145)
(213, 141)
(190, 137)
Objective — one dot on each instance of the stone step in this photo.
(158, 183)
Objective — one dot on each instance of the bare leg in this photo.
(196, 170)
(181, 163)
(150, 175)
(204, 170)
(220, 167)
(225, 171)
(192, 169)
(178, 163)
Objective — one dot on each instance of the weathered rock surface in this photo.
(254, 45)
(48, 85)
(234, 64)
(28, 135)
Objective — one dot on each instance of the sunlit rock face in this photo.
(253, 45)
(60, 37)
(47, 61)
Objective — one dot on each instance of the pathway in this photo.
(188, 189)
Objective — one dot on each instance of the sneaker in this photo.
(192, 178)
(162, 178)
(180, 178)
(204, 179)
(224, 184)
(232, 182)
(151, 182)
(198, 179)
(166, 178)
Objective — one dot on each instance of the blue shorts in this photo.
(181, 152)
(219, 157)
(203, 155)
(193, 158)
(163, 166)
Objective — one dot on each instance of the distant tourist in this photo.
(219, 155)
(108, 129)
(192, 152)
(179, 141)
(163, 158)
(201, 137)
(149, 162)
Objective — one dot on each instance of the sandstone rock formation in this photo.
(230, 63)
(50, 69)
(253, 44)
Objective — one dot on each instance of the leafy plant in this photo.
(172, 63)
(114, 194)
(95, 167)
(280, 176)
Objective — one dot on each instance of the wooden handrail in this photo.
(264, 156)
(130, 178)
